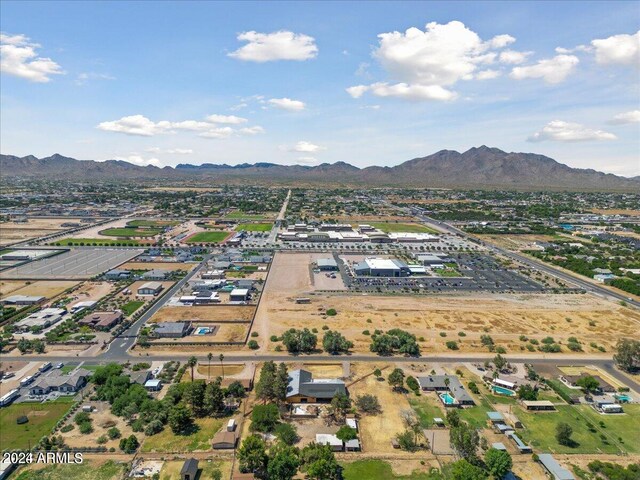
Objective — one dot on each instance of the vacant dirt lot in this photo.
(205, 313)
(505, 317)
(12, 232)
(45, 288)
(158, 266)
(91, 291)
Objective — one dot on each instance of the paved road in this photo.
(546, 268)
(117, 349)
(277, 224)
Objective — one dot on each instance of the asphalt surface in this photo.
(543, 267)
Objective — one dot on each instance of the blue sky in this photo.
(300, 82)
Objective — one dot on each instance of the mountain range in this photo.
(478, 167)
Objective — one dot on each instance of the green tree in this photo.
(335, 343)
(252, 455)
(527, 392)
(500, 362)
(396, 379)
(209, 357)
(406, 440)
(340, 405)
(264, 418)
(368, 403)
(221, 358)
(453, 418)
(283, 462)
(192, 362)
(627, 355)
(180, 419)
(265, 388)
(463, 470)
(213, 402)
(129, 445)
(286, 433)
(563, 434)
(194, 397)
(464, 439)
(318, 462)
(280, 383)
(498, 462)
(588, 384)
(346, 433)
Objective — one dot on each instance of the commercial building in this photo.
(23, 300)
(327, 264)
(150, 288)
(56, 381)
(381, 267)
(43, 318)
(302, 388)
(172, 329)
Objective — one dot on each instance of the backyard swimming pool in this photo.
(447, 399)
(503, 391)
(621, 397)
(202, 331)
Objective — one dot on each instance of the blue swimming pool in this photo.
(621, 397)
(503, 391)
(447, 399)
(202, 331)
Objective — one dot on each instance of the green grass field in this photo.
(152, 223)
(129, 232)
(380, 470)
(80, 242)
(130, 307)
(208, 237)
(167, 441)
(427, 408)
(245, 216)
(402, 227)
(88, 470)
(540, 429)
(254, 227)
(42, 418)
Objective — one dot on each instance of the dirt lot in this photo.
(16, 232)
(94, 232)
(103, 420)
(204, 313)
(91, 291)
(376, 431)
(45, 288)
(504, 316)
(518, 242)
(172, 266)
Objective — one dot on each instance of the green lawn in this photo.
(152, 223)
(427, 408)
(42, 418)
(87, 470)
(380, 470)
(254, 227)
(208, 237)
(540, 429)
(130, 307)
(447, 272)
(79, 242)
(167, 441)
(402, 227)
(68, 368)
(476, 416)
(245, 216)
(129, 232)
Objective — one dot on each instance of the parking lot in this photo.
(478, 273)
(76, 264)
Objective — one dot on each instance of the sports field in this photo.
(254, 227)
(129, 232)
(208, 237)
(42, 417)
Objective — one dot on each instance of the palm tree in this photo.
(221, 357)
(209, 357)
(193, 361)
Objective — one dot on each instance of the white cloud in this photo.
(551, 70)
(19, 57)
(620, 49)
(239, 106)
(85, 77)
(307, 161)
(282, 45)
(140, 161)
(252, 130)
(171, 151)
(513, 57)
(142, 126)
(560, 131)
(404, 90)
(488, 74)
(627, 117)
(306, 147)
(287, 104)
(226, 119)
(423, 63)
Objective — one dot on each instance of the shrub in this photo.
(253, 345)
(67, 428)
(331, 312)
(451, 345)
(114, 433)
(85, 428)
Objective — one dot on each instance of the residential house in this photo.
(303, 388)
